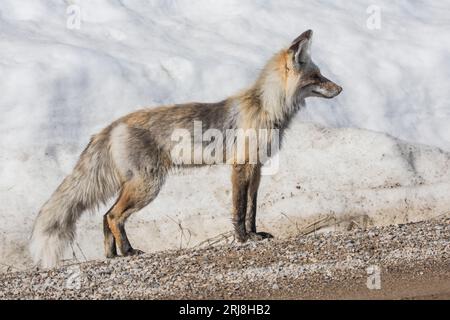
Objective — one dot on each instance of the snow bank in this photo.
(60, 85)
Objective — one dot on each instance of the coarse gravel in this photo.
(393, 262)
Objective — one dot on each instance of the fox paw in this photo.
(133, 252)
(110, 255)
(258, 236)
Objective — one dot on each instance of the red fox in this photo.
(132, 156)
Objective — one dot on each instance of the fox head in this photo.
(303, 75)
(290, 77)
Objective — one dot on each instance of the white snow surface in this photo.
(58, 86)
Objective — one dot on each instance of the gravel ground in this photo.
(396, 262)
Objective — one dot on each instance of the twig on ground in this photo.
(216, 239)
(317, 225)
(182, 235)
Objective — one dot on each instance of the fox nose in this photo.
(339, 89)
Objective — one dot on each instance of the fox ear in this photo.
(301, 46)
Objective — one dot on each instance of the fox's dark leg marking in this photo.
(240, 182)
(250, 219)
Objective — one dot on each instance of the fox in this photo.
(130, 159)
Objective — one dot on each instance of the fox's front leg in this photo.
(250, 219)
(240, 181)
(245, 179)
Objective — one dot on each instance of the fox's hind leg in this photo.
(110, 242)
(142, 165)
(135, 195)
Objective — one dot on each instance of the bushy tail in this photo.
(93, 181)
